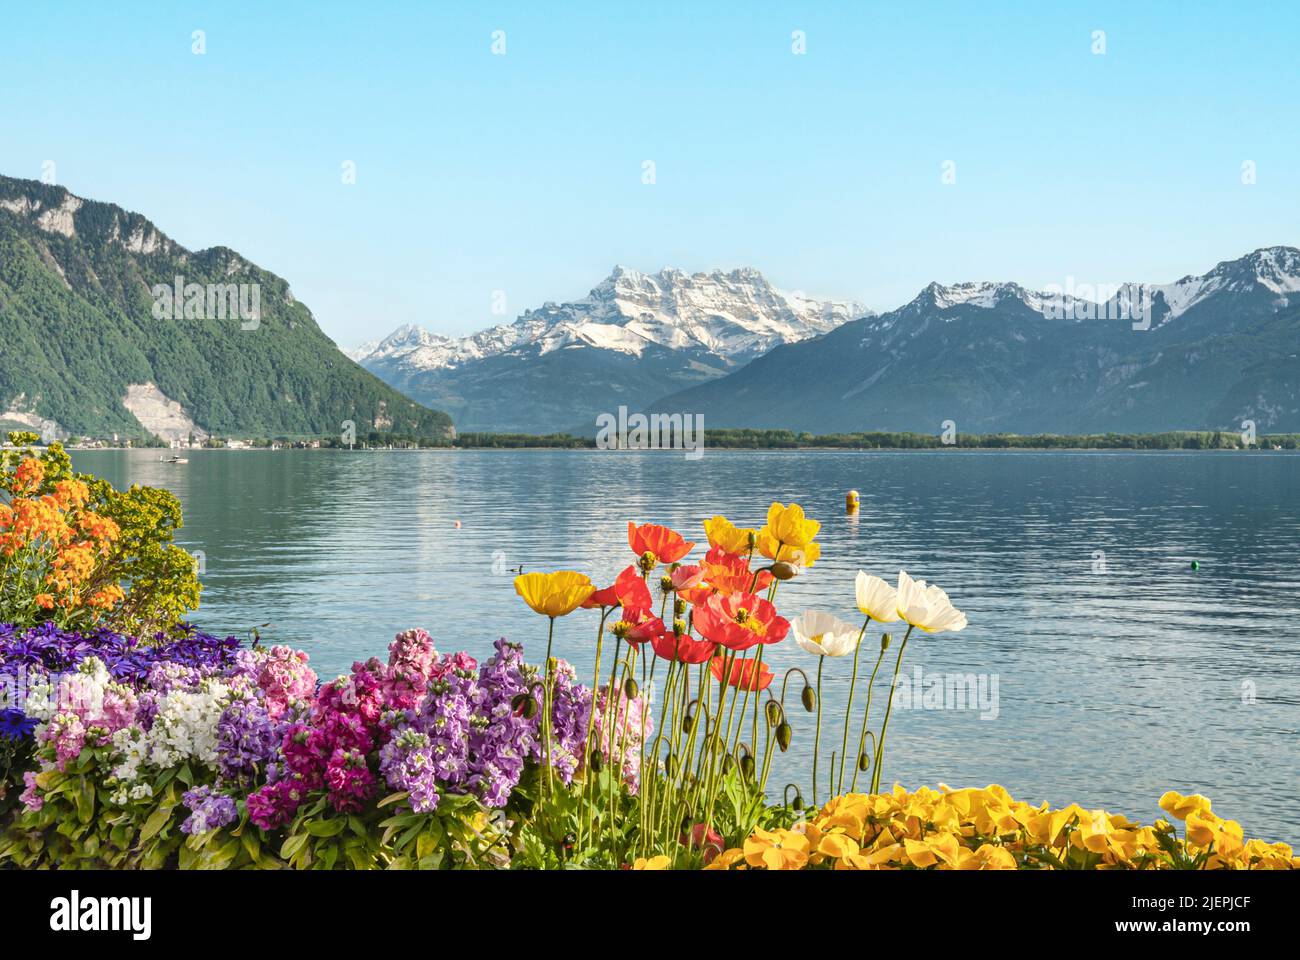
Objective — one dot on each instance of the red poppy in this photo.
(641, 626)
(725, 573)
(739, 621)
(628, 591)
(741, 673)
(666, 545)
(683, 649)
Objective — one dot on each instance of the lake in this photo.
(1121, 671)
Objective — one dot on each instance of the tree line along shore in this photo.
(750, 439)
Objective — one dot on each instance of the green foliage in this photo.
(77, 326)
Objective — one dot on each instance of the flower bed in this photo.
(187, 750)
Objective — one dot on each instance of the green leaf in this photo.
(325, 828)
(157, 820)
(292, 846)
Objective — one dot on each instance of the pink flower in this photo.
(31, 799)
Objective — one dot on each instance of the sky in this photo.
(500, 149)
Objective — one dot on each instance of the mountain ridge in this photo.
(1216, 349)
(91, 340)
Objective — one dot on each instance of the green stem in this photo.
(546, 710)
(884, 726)
(817, 737)
(862, 737)
(848, 711)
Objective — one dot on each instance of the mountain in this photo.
(1204, 352)
(632, 339)
(108, 326)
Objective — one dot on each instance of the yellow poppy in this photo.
(554, 594)
(722, 533)
(790, 534)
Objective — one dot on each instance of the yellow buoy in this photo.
(851, 502)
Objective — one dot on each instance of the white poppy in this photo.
(876, 599)
(926, 606)
(824, 634)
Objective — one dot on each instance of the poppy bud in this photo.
(666, 584)
(524, 705)
(783, 734)
(569, 841)
(885, 640)
(752, 539)
(597, 761)
(630, 689)
(670, 765)
(647, 562)
(688, 722)
(774, 712)
(728, 763)
(864, 761)
(798, 802)
(809, 698)
(622, 629)
(784, 571)
(679, 627)
(679, 606)
(747, 766)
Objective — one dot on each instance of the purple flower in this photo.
(208, 810)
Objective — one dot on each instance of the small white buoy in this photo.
(457, 524)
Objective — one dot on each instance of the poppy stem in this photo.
(862, 738)
(884, 726)
(546, 710)
(848, 711)
(817, 736)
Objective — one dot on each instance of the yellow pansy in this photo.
(725, 535)
(554, 594)
(734, 857)
(653, 863)
(1179, 806)
(988, 857)
(777, 849)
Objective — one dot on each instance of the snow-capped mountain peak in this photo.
(736, 315)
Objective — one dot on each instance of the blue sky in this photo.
(522, 173)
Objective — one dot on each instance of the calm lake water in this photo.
(1121, 671)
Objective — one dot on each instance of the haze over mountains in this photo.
(1207, 351)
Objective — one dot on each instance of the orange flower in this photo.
(664, 545)
(28, 476)
(726, 573)
(739, 620)
(742, 671)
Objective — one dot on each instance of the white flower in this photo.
(876, 599)
(823, 634)
(927, 607)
